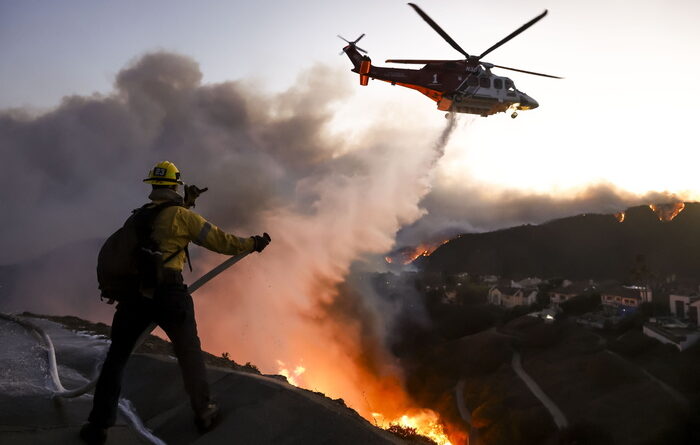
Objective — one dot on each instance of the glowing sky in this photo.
(624, 114)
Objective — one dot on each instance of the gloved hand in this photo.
(261, 242)
(192, 192)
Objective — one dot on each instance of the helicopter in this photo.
(458, 86)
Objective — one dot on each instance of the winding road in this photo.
(554, 411)
(516, 363)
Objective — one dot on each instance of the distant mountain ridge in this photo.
(588, 246)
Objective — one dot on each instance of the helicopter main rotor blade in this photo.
(514, 33)
(526, 72)
(421, 61)
(439, 30)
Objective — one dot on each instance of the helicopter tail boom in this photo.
(361, 64)
(354, 56)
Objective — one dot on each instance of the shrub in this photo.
(410, 434)
(251, 367)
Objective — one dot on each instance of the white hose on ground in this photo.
(136, 422)
(60, 391)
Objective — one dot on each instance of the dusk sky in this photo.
(624, 114)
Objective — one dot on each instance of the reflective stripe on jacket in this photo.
(177, 226)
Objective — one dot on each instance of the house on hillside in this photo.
(508, 297)
(569, 290)
(625, 299)
(686, 307)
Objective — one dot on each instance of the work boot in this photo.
(93, 434)
(207, 419)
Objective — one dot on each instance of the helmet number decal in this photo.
(158, 171)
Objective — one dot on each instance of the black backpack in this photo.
(129, 261)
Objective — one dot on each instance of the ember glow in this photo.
(666, 212)
(292, 375)
(407, 255)
(620, 216)
(425, 422)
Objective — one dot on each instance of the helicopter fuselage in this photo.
(456, 86)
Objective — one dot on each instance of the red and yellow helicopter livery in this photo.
(459, 86)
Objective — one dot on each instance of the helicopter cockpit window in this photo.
(498, 83)
(485, 82)
(509, 85)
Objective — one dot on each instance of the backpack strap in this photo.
(172, 255)
(187, 254)
(158, 209)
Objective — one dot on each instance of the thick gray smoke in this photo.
(272, 163)
(75, 172)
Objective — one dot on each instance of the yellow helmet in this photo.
(164, 173)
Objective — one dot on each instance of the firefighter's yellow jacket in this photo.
(175, 227)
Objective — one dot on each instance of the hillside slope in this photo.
(580, 247)
(256, 408)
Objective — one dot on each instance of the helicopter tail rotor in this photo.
(353, 43)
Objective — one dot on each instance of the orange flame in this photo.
(425, 422)
(666, 212)
(409, 255)
(296, 287)
(291, 375)
(619, 216)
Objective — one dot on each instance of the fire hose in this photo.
(60, 391)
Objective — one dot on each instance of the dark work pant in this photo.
(172, 309)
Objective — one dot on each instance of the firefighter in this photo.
(170, 305)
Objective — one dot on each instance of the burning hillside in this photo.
(666, 212)
(424, 422)
(407, 255)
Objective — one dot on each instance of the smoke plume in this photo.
(272, 164)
